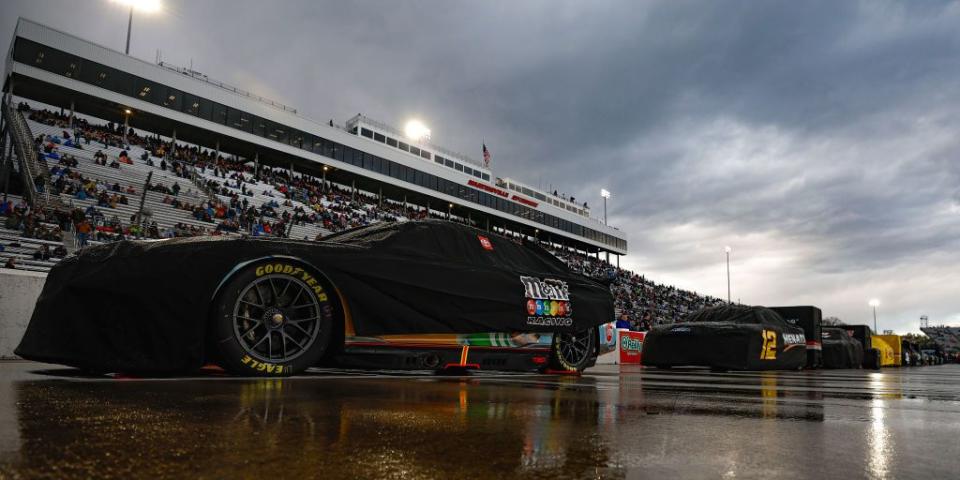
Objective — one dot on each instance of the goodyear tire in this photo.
(274, 318)
(573, 351)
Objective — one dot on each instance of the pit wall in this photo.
(19, 291)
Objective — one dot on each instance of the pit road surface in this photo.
(634, 423)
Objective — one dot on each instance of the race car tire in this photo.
(274, 318)
(573, 351)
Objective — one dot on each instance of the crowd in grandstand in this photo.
(639, 303)
(294, 199)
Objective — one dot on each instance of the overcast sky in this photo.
(817, 139)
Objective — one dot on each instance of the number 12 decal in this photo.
(769, 349)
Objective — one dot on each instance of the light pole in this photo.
(605, 194)
(875, 303)
(449, 211)
(728, 250)
(142, 5)
(126, 124)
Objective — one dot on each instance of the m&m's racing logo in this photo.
(548, 302)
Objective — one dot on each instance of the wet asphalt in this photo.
(609, 423)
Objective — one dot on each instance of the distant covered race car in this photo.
(415, 295)
(840, 349)
(728, 337)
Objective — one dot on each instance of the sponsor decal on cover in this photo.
(547, 302)
(485, 243)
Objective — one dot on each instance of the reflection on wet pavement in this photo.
(608, 424)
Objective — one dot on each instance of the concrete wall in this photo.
(19, 291)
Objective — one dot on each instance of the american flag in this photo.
(486, 155)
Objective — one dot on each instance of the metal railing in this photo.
(226, 86)
(32, 167)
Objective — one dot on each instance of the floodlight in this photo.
(416, 130)
(874, 302)
(604, 193)
(141, 5)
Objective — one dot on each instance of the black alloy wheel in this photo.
(272, 319)
(573, 351)
(276, 319)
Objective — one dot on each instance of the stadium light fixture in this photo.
(127, 111)
(145, 6)
(604, 193)
(416, 130)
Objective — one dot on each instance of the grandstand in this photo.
(180, 164)
(948, 338)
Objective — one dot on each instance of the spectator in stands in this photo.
(13, 221)
(11, 263)
(59, 251)
(42, 253)
(83, 233)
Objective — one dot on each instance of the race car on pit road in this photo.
(411, 295)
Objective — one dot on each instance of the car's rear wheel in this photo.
(573, 351)
(273, 318)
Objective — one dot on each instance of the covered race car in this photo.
(728, 337)
(840, 350)
(412, 295)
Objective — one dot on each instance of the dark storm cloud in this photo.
(817, 137)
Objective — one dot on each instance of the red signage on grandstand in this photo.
(524, 201)
(501, 192)
(488, 188)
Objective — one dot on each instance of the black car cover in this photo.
(732, 337)
(808, 318)
(840, 350)
(143, 306)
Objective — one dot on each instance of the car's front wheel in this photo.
(272, 319)
(573, 351)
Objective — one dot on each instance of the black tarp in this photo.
(733, 337)
(840, 350)
(143, 306)
(808, 318)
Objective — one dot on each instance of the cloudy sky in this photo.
(817, 139)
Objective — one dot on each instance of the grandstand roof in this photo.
(56, 68)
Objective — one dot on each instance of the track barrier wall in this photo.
(19, 291)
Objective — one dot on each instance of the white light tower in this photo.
(146, 6)
(728, 250)
(875, 303)
(605, 194)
